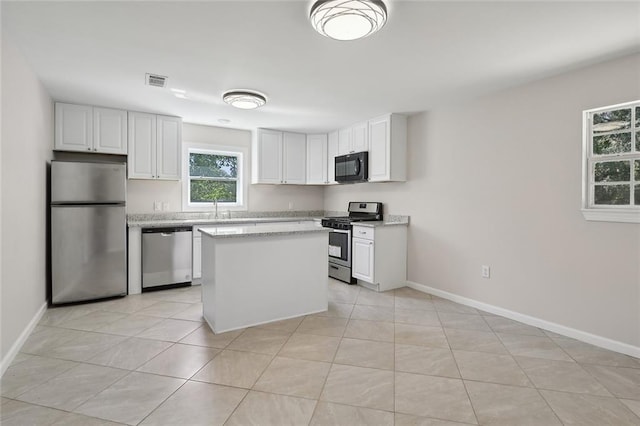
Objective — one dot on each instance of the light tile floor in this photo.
(401, 357)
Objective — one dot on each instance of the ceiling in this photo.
(429, 54)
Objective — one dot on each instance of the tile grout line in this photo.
(332, 363)
(464, 385)
(261, 374)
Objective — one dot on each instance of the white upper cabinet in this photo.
(279, 157)
(353, 139)
(344, 141)
(109, 131)
(90, 129)
(294, 170)
(154, 146)
(168, 138)
(142, 146)
(267, 157)
(332, 152)
(74, 127)
(388, 148)
(293, 158)
(360, 138)
(316, 159)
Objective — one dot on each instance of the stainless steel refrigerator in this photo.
(88, 231)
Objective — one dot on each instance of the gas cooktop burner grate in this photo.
(358, 212)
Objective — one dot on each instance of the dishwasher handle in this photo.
(167, 232)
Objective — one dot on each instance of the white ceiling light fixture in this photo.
(348, 19)
(244, 99)
(179, 93)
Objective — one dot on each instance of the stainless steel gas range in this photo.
(340, 237)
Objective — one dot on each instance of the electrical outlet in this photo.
(290, 205)
(165, 205)
(157, 206)
(486, 271)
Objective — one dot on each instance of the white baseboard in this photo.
(17, 345)
(583, 336)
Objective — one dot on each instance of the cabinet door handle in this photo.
(88, 149)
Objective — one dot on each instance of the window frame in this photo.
(241, 179)
(601, 212)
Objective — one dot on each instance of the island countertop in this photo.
(262, 230)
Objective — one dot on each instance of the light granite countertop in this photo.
(158, 223)
(262, 230)
(391, 220)
(159, 220)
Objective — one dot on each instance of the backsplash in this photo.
(222, 215)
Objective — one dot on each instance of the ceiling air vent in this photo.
(156, 80)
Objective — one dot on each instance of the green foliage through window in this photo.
(612, 195)
(613, 171)
(613, 159)
(610, 121)
(612, 144)
(213, 178)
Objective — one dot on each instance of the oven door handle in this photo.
(341, 231)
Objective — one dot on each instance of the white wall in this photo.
(142, 193)
(27, 140)
(497, 181)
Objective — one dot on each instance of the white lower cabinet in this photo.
(379, 256)
(363, 259)
(197, 254)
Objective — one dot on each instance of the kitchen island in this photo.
(258, 274)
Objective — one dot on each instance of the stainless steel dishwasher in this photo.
(166, 257)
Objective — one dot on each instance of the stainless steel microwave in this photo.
(352, 168)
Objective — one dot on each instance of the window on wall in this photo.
(611, 187)
(214, 176)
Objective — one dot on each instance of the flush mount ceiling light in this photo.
(348, 19)
(244, 99)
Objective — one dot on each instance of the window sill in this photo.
(612, 215)
(210, 209)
